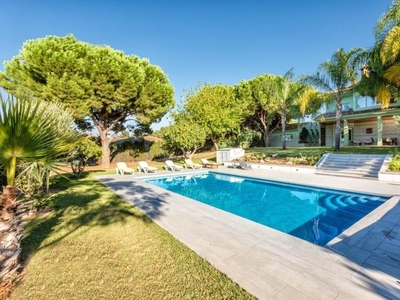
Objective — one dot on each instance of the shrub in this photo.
(247, 137)
(303, 136)
(312, 159)
(394, 164)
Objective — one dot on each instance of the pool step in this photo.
(353, 206)
(350, 165)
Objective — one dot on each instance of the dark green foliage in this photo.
(215, 109)
(87, 148)
(101, 86)
(3, 178)
(185, 136)
(303, 135)
(130, 151)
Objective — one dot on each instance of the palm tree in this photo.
(374, 80)
(381, 69)
(387, 34)
(288, 97)
(335, 77)
(29, 132)
(383, 65)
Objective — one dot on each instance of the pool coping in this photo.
(274, 265)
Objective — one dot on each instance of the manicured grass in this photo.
(94, 245)
(307, 151)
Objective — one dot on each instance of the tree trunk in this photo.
(267, 132)
(105, 139)
(11, 170)
(11, 213)
(283, 130)
(214, 143)
(266, 138)
(338, 127)
(105, 147)
(189, 153)
(265, 128)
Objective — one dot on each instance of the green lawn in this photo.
(94, 245)
(307, 151)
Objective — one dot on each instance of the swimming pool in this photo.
(313, 214)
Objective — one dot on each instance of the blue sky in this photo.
(195, 41)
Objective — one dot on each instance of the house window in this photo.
(368, 131)
(346, 106)
(288, 137)
(366, 101)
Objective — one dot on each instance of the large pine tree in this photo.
(103, 87)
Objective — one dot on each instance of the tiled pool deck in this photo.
(362, 263)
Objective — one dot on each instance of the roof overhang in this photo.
(360, 115)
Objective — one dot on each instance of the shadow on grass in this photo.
(84, 203)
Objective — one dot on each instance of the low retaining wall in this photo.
(287, 168)
(389, 176)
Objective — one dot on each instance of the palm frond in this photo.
(387, 21)
(28, 132)
(390, 48)
(311, 100)
(318, 80)
(383, 95)
(392, 73)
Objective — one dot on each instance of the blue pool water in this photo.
(313, 214)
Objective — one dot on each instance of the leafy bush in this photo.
(246, 137)
(312, 159)
(296, 160)
(394, 164)
(303, 135)
(86, 148)
(157, 151)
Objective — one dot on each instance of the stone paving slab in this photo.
(359, 264)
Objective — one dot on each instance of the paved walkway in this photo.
(361, 263)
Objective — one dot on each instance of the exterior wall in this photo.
(329, 135)
(293, 136)
(358, 130)
(361, 103)
(364, 120)
(390, 129)
(348, 102)
(354, 101)
(276, 141)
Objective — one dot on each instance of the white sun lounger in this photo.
(144, 167)
(169, 165)
(122, 168)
